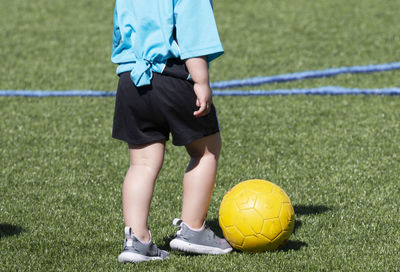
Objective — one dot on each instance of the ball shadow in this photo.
(292, 245)
(310, 209)
(297, 225)
(9, 230)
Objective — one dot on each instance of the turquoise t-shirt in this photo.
(143, 35)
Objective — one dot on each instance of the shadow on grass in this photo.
(297, 224)
(165, 243)
(292, 245)
(214, 226)
(9, 230)
(310, 209)
(307, 210)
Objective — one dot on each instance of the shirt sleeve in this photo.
(196, 30)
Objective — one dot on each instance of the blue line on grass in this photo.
(327, 90)
(305, 75)
(39, 93)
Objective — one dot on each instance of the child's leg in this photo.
(198, 183)
(145, 164)
(199, 179)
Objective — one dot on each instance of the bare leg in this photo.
(199, 179)
(137, 191)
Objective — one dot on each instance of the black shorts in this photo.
(150, 113)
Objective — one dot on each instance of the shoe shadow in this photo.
(165, 243)
(9, 230)
(213, 224)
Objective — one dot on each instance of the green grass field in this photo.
(337, 157)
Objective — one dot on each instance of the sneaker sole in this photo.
(178, 244)
(130, 257)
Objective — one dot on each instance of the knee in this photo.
(210, 152)
(207, 147)
(216, 151)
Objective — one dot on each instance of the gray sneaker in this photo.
(203, 241)
(135, 251)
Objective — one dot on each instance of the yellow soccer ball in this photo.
(256, 215)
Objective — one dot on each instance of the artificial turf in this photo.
(337, 157)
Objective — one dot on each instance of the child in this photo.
(162, 49)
